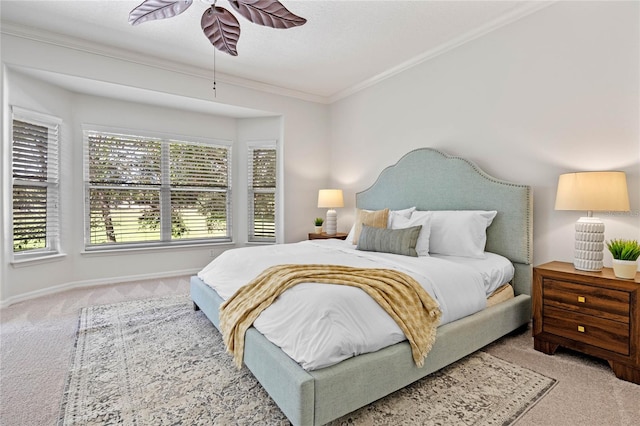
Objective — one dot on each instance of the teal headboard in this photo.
(431, 180)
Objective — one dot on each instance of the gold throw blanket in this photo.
(402, 297)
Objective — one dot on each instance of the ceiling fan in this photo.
(219, 25)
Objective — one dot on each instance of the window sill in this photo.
(114, 251)
(36, 260)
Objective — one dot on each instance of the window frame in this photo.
(251, 146)
(52, 184)
(165, 188)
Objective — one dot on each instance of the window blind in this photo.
(124, 179)
(199, 183)
(34, 162)
(262, 183)
(144, 190)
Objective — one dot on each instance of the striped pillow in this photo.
(396, 241)
(376, 219)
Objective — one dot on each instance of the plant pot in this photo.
(318, 229)
(625, 268)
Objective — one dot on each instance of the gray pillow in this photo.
(396, 241)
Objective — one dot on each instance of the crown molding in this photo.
(500, 22)
(64, 41)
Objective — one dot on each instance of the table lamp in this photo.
(591, 191)
(330, 199)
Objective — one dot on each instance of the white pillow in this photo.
(460, 232)
(405, 213)
(417, 218)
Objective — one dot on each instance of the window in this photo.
(34, 165)
(262, 183)
(154, 191)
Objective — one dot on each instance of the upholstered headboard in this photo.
(431, 180)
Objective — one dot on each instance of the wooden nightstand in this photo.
(324, 236)
(590, 312)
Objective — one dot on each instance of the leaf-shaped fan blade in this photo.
(149, 10)
(270, 13)
(222, 29)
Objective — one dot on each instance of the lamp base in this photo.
(331, 223)
(589, 246)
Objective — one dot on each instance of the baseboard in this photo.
(92, 283)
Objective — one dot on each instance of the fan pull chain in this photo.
(215, 94)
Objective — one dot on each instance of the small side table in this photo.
(325, 236)
(591, 312)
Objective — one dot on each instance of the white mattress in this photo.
(320, 325)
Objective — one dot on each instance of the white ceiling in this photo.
(344, 46)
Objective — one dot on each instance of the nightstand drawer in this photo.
(599, 332)
(586, 299)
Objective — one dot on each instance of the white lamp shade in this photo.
(593, 191)
(330, 198)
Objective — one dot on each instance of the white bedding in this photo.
(318, 325)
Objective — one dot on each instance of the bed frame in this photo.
(429, 180)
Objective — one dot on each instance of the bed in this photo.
(429, 180)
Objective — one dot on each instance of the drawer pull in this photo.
(581, 329)
(581, 299)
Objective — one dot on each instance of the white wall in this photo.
(555, 92)
(302, 135)
(78, 267)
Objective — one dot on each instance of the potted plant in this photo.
(625, 257)
(318, 221)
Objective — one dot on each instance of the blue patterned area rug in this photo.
(158, 362)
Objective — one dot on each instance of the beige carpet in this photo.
(37, 337)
